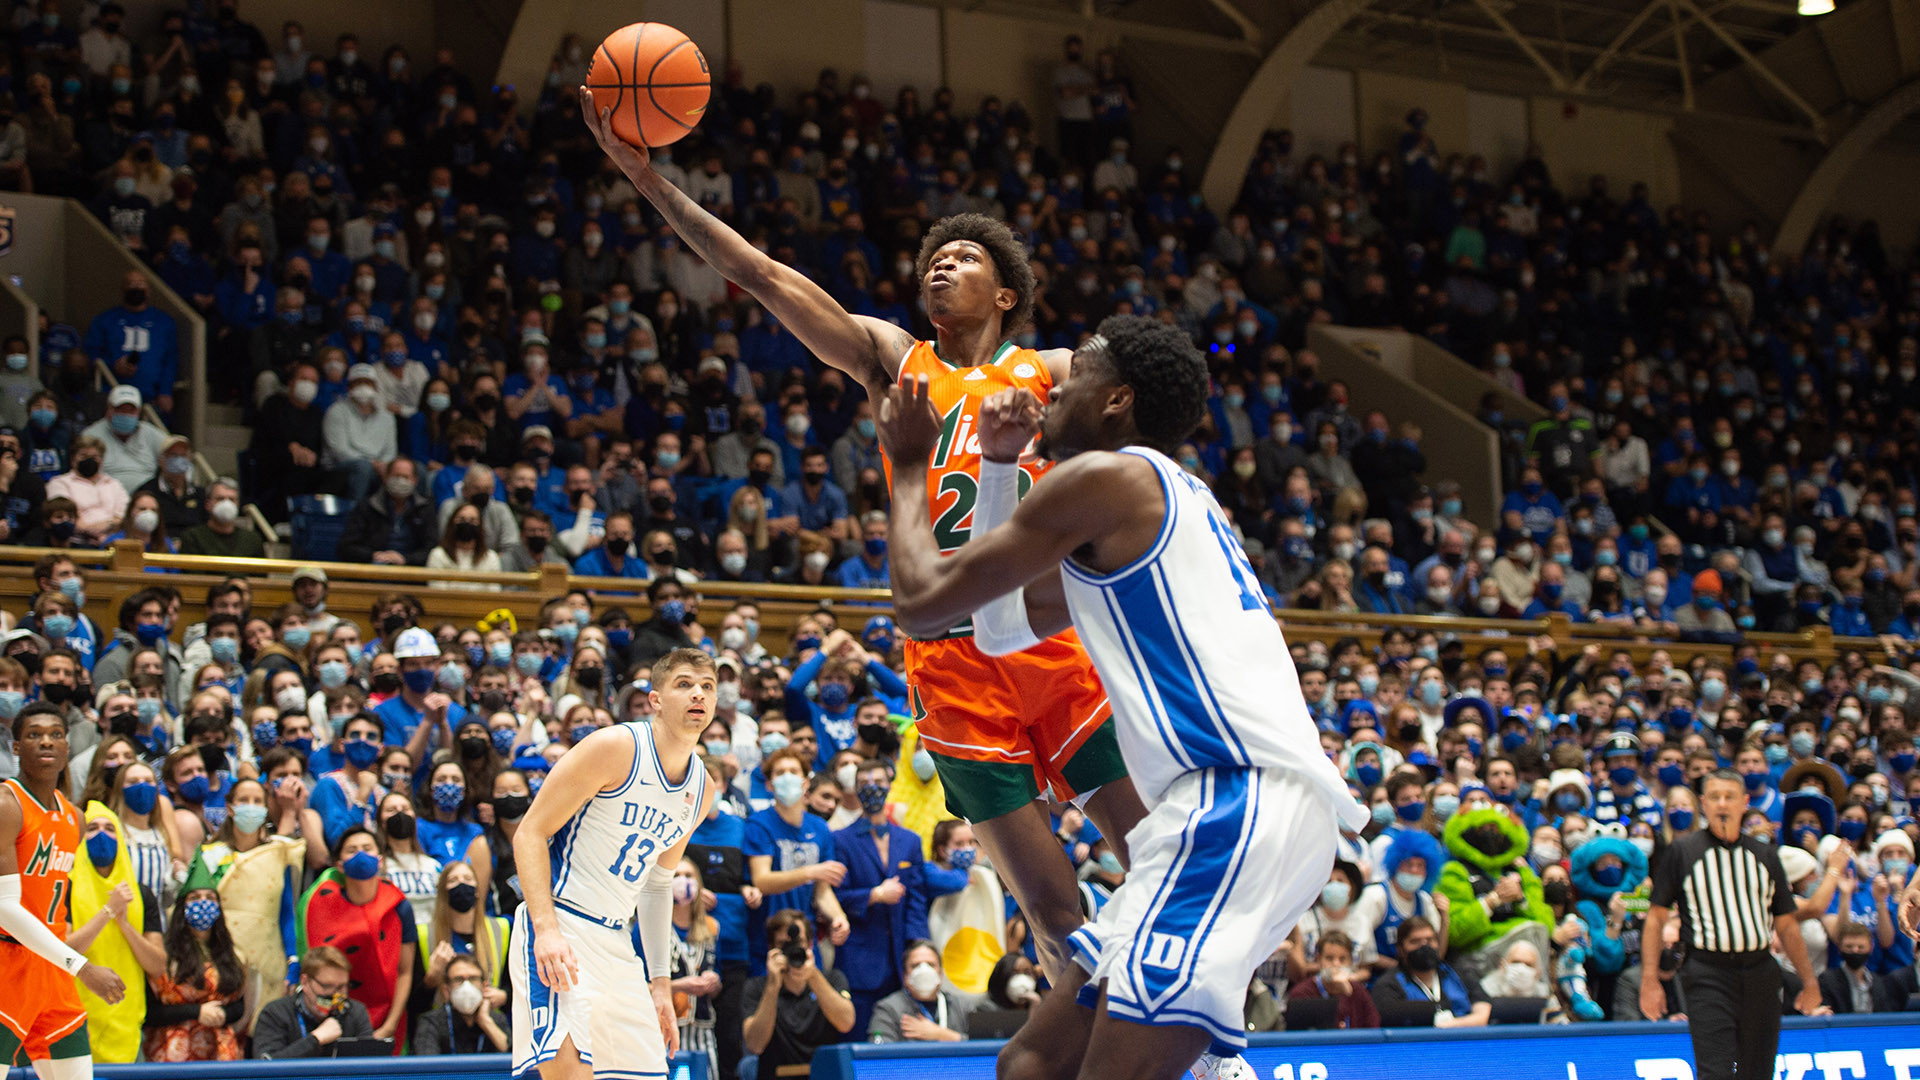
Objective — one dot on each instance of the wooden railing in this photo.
(464, 596)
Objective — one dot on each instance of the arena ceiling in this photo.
(1752, 61)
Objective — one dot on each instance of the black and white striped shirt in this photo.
(1726, 895)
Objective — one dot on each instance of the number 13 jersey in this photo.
(601, 856)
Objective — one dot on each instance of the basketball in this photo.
(654, 79)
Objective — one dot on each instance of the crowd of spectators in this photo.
(454, 313)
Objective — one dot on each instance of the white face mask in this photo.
(923, 981)
(845, 776)
(817, 561)
(1020, 987)
(465, 998)
(1520, 979)
(291, 699)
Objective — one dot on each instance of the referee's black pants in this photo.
(1733, 1013)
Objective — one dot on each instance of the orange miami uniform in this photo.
(1000, 729)
(39, 1003)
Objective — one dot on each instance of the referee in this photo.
(1731, 895)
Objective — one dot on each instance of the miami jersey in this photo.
(601, 856)
(45, 849)
(1194, 664)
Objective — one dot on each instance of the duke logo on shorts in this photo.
(1242, 805)
(599, 859)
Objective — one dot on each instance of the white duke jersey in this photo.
(1192, 659)
(601, 856)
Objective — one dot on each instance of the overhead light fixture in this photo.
(1815, 7)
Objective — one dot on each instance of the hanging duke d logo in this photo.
(6, 229)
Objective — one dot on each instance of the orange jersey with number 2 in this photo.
(1034, 708)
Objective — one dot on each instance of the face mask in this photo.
(57, 627)
(873, 798)
(361, 866)
(361, 753)
(1110, 864)
(102, 849)
(202, 914)
(845, 775)
(1445, 806)
(1335, 895)
(1424, 958)
(787, 788)
(249, 817)
(528, 663)
(1644, 844)
(141, 798)
(834, 696)
(772, 743)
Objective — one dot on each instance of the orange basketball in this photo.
(655, 81)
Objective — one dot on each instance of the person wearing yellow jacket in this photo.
(116, 924)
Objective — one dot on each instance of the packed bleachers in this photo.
(438, 303)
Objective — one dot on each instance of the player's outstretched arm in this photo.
(1082, 499)
(869, 350)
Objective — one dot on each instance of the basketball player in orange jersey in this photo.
(1002, 730)
(41, 1018)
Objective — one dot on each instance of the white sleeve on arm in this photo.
(1000, 627)
(655, 915)
(33, 933)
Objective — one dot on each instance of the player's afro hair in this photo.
(1168, 376)
(1009, 257)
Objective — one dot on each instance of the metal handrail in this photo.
(204, 473)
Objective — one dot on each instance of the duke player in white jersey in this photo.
(596, 854)
(1119, 542)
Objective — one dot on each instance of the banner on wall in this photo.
(1881, 1051)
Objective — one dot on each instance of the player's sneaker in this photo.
(1214, 1067)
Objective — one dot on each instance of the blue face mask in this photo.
(581, 731)
(1368, 774)
(673, 611)
(834, 696)
(1672, 775)
(225, 650)
(296, 637)
(772, 743)
(503, 740)
(1569, 802)
(361, 866)
(196, 790)
(102, 849)
(1411, 812)
(333, 674)
(787, 788)
(961, 859)
(500, 654)
(202, 914)
(419, 681)
(1681, 820)
(1754, 780)
(302, 745)
(43, 418)
(876, 548)
(149, 632)
(266, 734)
(452, 678)
(448, 795)
(1901, 762)
(1445, 806)
(124, 423)
(1409, 881)
(619, 637)
(1608, 877)
(1513, 740)
(11, 702)
(1850, 831)
(476, 656)
(141, 798)
(1622, 775)
(567, 632)
(361, 753)
(57, 627)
